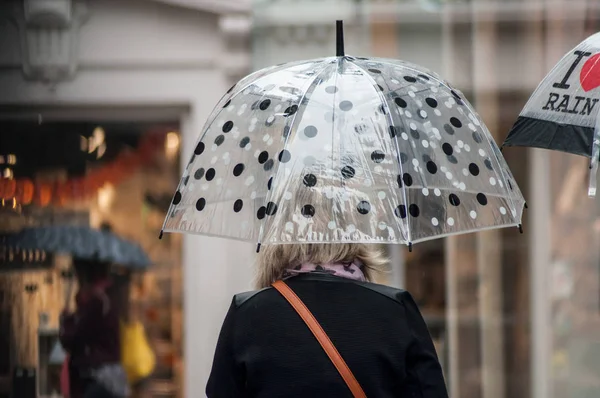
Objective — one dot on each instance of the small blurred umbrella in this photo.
(562, 114)
(82, 242)
(344, 149)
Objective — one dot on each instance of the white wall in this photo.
(143, 54)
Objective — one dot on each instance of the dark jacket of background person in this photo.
(266, 350)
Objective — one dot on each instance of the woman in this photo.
(91, 336)
(266, 350)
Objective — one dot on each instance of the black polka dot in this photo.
(227, 103)
(361, 128)
(453, 199)
(377, 156)
(310, 180)
(210, 174)
(380, 88)
(447, 148)
(456, 122)
(474, 169)
(477, 137)
(363, 207)
(432, 102)
(482, 199)
(400, 102)
(244, 142)
(403, 158)
(237, 206)
(376, 71)
(414, 210)
(284, 156)
(269, 183)
(392, 131)
(452, 159)
(199, 148)
(219, 140)
(488, 164)
(310, 131)
(346, 105)
(254, 105)
(231, 88)
(200, 203)
(263, 157)
(260, 214)
(400, 211)
(177, 198)
(348, 172)
(381, 109)
(448, 129)
(271, 208)
(509, 185)
(331, 89)
(431, 167)
(192, 158)
(415, 134)
(238, 169)
(424, 77)
(408, 180)
(290, 110)
(264, 104)
(308, 211)
(227, 126)
(185, 180)
(456, 96)
(286, 132)
(410, 79)
(268, 165)
(199, 173)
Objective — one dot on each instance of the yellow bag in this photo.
(136, 355)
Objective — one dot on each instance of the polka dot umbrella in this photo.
(344, 149)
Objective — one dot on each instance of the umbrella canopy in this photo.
(562, 114)
(81, 242)
(344, 149)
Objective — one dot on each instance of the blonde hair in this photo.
(273, 260)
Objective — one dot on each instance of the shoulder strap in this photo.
(322, 337)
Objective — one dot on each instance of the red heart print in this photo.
(590, 73)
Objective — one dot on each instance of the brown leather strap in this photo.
(322, 337)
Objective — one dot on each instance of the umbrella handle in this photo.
(592, 185)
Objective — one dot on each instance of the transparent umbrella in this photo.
(344, 149)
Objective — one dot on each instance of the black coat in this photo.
(266, 350)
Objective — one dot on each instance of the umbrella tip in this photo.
(339, 38)
(527, 207)
(160, 234)
(410, 247)
(258, 248)
(520, 228)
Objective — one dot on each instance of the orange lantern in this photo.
(42, 194)
(24, 191)
(9, 188)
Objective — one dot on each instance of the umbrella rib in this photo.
(270, 192)
(395, 140)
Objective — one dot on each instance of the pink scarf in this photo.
(351, 270)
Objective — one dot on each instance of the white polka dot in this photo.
(395, 81)
(502, 210)
(253, 120)
(204, 187)
(448, 104)
(256, 153)
(425, 143)
(226, 155)
(214, 147)
(270, 119)
(368, 183)
(235, 133)
(289, 226)
(412, 94)
(270, 142)
(407, 114)
(249, 180)
(419, 103)
(450, 221)
(436, 133)
(500, 183)
(460, 143)
(437, 192)
(473, 214)
(413, 126)
(451, 100)
(443, 169)
(462, 186)
(435, 222)
(214, 159)
(378, 169)
(242, 109)
(329, 192)
(425, 192)
(287, 195)
(514, 212)
(437, 112)
(404, 136)
(382, 226)
(266, 137)
(415, 162)
(253, 195)
(331, 225)
(350, 228)
(248, 147)
(422, 113)
(472, 127)
(278, 107)
(434, 89)
(481, 152)
(381, 195)
(448, 175)
(465, 172)
(492, 181)
(467, 148)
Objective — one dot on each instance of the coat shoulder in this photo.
(242, 298)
